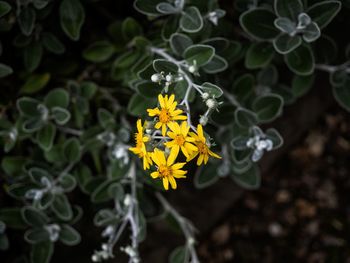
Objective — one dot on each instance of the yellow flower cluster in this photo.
(162, 151)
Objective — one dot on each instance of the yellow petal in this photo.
(200, 159)
(163, 129)
(155, 175)
(173, 154)
(214, 154)
(177, 166)
(161, 100)
(172, 182)
(165, 183)
(158, 125)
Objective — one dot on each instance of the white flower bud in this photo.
(104, 247)
(95, 258)
(156, 77)
(127, 200)
(148, 131)
(192, 69)
(205, 96)
(169, 78)
(191, 241)
(203, 120)
(211, 103)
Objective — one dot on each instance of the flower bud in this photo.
(211, 103)
(156, 77)
(205, 96)
(192, 69)
(203, 120)
(169, 78)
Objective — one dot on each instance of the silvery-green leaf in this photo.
(311, 32)
(166, 8)
(284, 43)
(285, 25)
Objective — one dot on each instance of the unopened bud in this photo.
(211, 103)
(192, 69)
(205, 95)
(95, 258)
(203, 120)
(169, 78)
(156, 77)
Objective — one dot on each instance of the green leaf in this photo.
(163, 65)
(4, 242)
(178, 255)
(34, 217)
(72, 150)
(83, 176)
(338, 78)
(243, 87)
(32, 55)
(311, 33)
(126, 60)
(36, 235)
(33, 124)
(105, 119)
(26, 20)
(191, 20)
(116, 191)
(99, 51)
(268, 107)
(35, 83)
(302, 84)
(52, 43)
(215, 65)
(259, 23)
(72, 16)
(285, 44)
(12, 217)
(88, 89)
(167, 8)
(138, 105)
(100, 194)
(131, 28)
(62, 208)
(40, 4)
(46, 136)
(342, 95)
(301, 60)
(206, 177)
(41, 252)
(199, 54)
(212, 89)
(259, 55)
(67, 182)
(285, 25)
(60, 115)
(57, 98)
(69, 236)
(275, 137)
(147, 7)
(322, 13)
(5, 8)
(250, 179)
(289, 8)
(179, 43)
(148, 89)
(5, 70)
(245, 118)
(28, 107)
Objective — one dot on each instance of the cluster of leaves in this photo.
(65, 122)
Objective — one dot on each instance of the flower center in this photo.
(164, 171)
(164, 116)
(179, 139)
(202, 148)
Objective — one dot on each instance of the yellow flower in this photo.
(180, 139)
(203, 150)
(166, 169)
(167, 112)
(140, 148)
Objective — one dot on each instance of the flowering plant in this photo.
(203, 83)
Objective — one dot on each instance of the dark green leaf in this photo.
(163, 65)
(268, 107)
(36, 235)
(72, 16)
(179, 43)
(178, 255)
(12, 217)
(69, 236)
(131, 28)
(67, 182)
(342, 95)
(35, 83)
(99, 51)
(147, 7)
(206, 177)
(26, 20)
(52, 43)
(72, 150)
(212, 89)
(41, 252)
(5, 8)
(301, 60)
(32, 55)
(60, 115)
(138, 105)
(148, 89)
(259, 55)
(323, 12)
(5, 70)
(215, 65)
(250, 179)
(259, 23)
(34, 217)
(191, 20)
(46, 136)
(199, 54)
(62, 208)
(245, 118)
(57, 98)
(289, 8)
(285, 44)
(302, 84)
